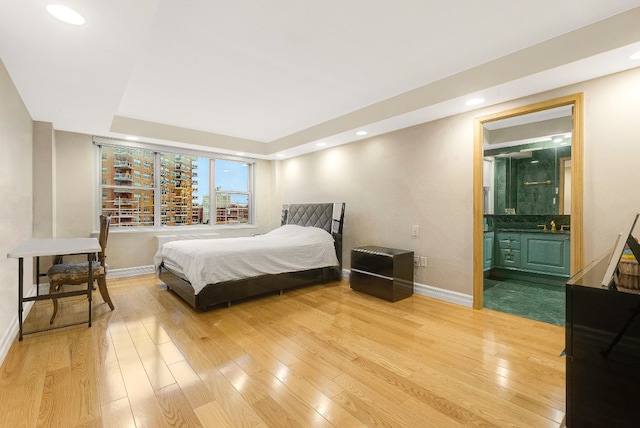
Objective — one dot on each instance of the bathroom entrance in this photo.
(527, 231)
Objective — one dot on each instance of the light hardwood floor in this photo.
(319, 356)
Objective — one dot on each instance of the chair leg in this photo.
(102, 286)
(52, 288)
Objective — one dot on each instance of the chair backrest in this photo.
(104, 235)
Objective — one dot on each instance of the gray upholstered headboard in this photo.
(329, 216)
(325, 216)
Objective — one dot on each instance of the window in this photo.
(232, 194)
(185, 189)
(120, 194)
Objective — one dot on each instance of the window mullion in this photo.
(157, 190)
(213, 208)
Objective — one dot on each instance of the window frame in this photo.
(157, 151)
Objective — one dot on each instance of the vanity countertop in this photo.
(525, 230)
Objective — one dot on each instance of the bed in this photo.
(203, 274)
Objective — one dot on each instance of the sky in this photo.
(230, 175)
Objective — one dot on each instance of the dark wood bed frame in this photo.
(329, 216)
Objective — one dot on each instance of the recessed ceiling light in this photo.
(321, 144)
(280, 155)
(65, 14)
(130, 138)
(240, 154)
(635, 55)
(474, 101)
(361, 133)
(557, 139)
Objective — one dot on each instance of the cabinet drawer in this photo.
(508, 236)
(385, 288)
(377, 264)
(506, 244)
(508, 258)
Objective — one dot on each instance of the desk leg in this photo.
(90, 285)
(20, 287)
(37, 275)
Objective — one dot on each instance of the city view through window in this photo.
(129, 188)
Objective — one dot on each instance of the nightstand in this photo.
(382, 272)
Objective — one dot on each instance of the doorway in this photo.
(574, 189)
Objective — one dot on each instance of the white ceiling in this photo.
(278, 76)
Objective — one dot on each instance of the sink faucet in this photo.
(553, 226)
(543, 226)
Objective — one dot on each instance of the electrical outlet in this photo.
(423, 261)
(416, 261)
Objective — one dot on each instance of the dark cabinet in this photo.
(382, 272)
(602, 351)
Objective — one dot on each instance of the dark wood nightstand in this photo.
(382, 272)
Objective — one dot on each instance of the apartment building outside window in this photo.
(141, 187)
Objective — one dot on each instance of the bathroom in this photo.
(527, 214)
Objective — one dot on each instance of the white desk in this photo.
(37, 247)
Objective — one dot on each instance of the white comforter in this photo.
(289, 248)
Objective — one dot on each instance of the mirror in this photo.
(527, 163)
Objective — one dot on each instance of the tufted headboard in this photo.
(328, 216)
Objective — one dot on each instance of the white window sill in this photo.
(179, 230)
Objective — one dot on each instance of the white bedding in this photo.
(289, 248)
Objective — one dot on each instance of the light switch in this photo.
(414, 230)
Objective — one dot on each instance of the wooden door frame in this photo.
(577, 184)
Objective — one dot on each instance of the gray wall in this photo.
(16, 218)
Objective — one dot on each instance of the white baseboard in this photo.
(132, 271)
(433, 292)
(7, 339)
(112, 274)
(443, 295)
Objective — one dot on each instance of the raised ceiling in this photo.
(276, 77)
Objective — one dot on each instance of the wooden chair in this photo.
(78, 273)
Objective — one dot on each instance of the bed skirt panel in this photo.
(224, 293)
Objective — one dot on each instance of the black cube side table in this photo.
(382, 272)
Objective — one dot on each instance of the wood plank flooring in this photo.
(321, 356)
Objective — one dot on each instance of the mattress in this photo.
(289, 248)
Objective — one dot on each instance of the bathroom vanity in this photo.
(528, 245)
(534, 252)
